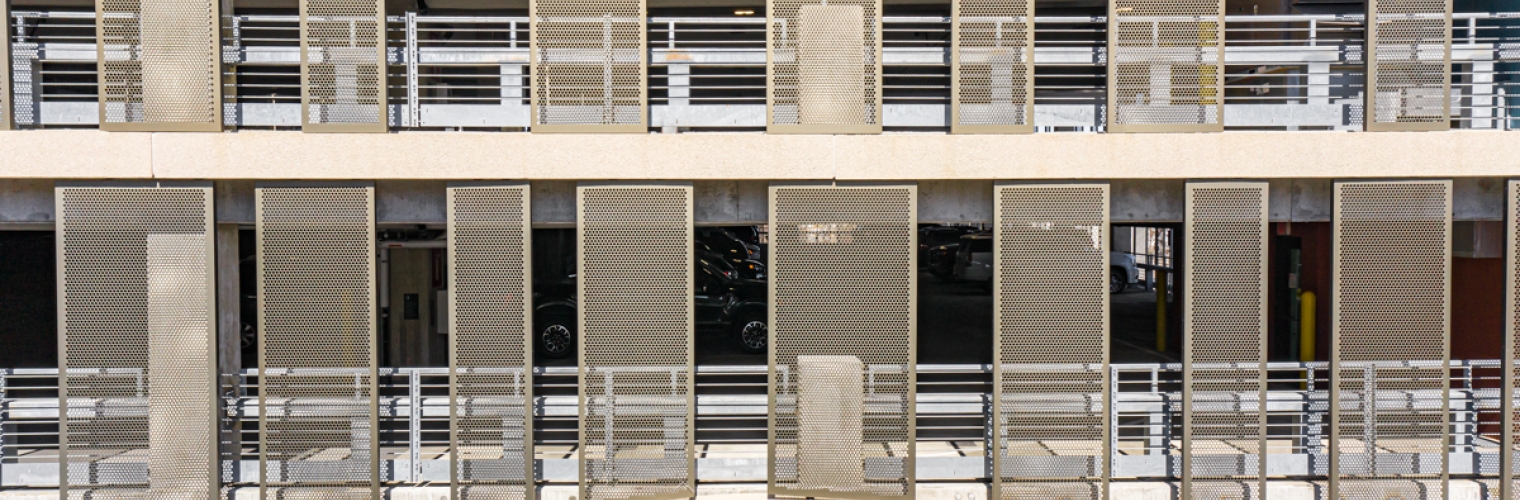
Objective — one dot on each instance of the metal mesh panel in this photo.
(491, 388)
(589, 68)
(1224, 418)
(343, 66)
(993, 74)
(1391, 310)
(1050, 403)
(1165, 65)
(1511, 414)
(636, 321)
(137, 335)
(316, 275)
(1409, 70)
(159, 63)
(843, 320)
(824, 66)
(6, 117)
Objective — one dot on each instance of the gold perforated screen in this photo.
(589, 66)
(6, 120)
(317, 378)
(159, 65)
(1165, 65)
(137, 333)
(1391, 313)
(843, 318)
(491, 382)
(1050, 403)
(1511, 415)
(343, 66)
(1225, 329)
(636, 314)
(993, 74)
(824, 66)
(1409, 65)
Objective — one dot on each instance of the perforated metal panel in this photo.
(823, 66)
(1391, 314)
(1225, 327)
(843, 316)
(6, 120)
(636, 313)
(993, 73)
(317, 378)
(490, 305)
(159, 64)
(1409, 65)
(1511, 415)
(589, 66)
(1165, 65)
(1051, 410)
(137, 340)
(343, 66)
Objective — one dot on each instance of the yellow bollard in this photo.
(1160, 310)
(1306, 326)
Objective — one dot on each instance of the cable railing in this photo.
(454, 72)
(954, 407)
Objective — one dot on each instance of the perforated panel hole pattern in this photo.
(825, 63)
(343, 65)
(589, 65)
(994, 63)
(160, 64)
(1165, 65)
(1409, 80)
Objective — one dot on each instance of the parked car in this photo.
(933, 236)
(1122, 271)
(726, 303)
(973, 260)
(941, 261)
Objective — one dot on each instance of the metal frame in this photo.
(1111, 88)
(213, 458)
(995, 448)
(1339, 350)
(7, 122)
(213, 47)
(384, 109)
(778, 272)
(771, 127)
(526, 294)
(537, 71)
(1369, 108)
(1026, 59)
(1202, 299)
(372, 369)
(1511, 362)
(584, 337)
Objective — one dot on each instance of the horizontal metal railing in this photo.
(953, 407)
(1283, 72)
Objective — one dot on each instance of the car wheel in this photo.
(1118, 280)
(752, 333)
(555, 336)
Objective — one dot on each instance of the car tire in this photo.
(554, 334)
(1118, 280)
(751, 332)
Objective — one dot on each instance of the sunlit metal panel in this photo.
(992, 77)
(343, 66)
(843, 289)
(159, 64)
(1408, 65)
(823, 66)
(1165, 65)
(589, 66)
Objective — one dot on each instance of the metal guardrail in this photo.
(1284, 72)
(731, 409)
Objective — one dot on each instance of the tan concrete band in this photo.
(89, 154)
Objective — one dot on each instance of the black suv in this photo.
(725, 303)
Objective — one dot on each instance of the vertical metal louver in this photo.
(843, 316)
(589, 66)
(159, 64)
(823, 66)
(636, 314)
(343, 66)
(1224, 415)
(136, 309)
(490, 357)
(317, 375)
(1391, 316)
(993, 73)
(1510, 419)
(1051, 410)
(1408, 65)
(1165, 65)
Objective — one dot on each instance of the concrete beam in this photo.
(89, 154)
